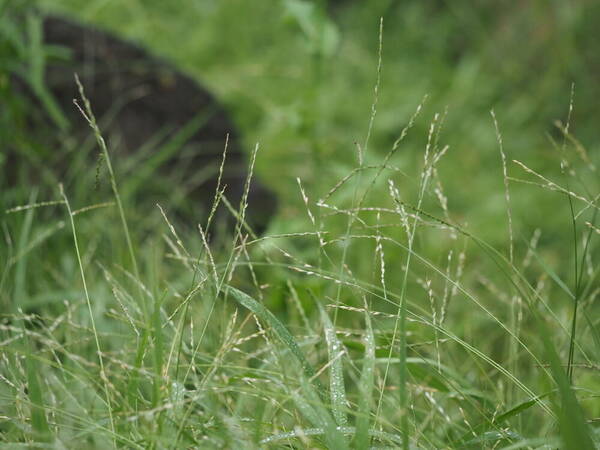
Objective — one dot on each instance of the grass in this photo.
(404, 296)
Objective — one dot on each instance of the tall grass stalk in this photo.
(356, 202)
(91, 119)
(103, 376)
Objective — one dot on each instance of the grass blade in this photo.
(88, 114)
(310, 403)
(365, 386)
(39, 423)
(484, 428)
(312, 409)
(278, 328)
(337, 389)
(573, 428)
(90, 311)
(523, 406)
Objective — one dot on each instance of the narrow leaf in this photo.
(365, 386)
(573, 428)
(39, 423)
(278, 328)
(337, 389)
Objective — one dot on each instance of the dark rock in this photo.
(168, 131)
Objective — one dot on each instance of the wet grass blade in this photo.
(158, 353)
(278, 328)
(365, 387)
(311, 407)
(337, 388)
(310, 403)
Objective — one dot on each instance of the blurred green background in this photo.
(298, 78)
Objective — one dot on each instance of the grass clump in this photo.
(379, 318)
(387, 323)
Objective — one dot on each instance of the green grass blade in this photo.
(337, 389)
(594, 332)
(483, 428)
(20, 291)
(88, 114)
(37, 63)
(552, 274)
(310, 403)
(298, 432)
(311, 407)
(158, 353)
(365, 386)
(39, 423)
(518, 409)
(574, 430)
(134, 375)
(278, 328)
(90, 310)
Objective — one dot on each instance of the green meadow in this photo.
(430, 278)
